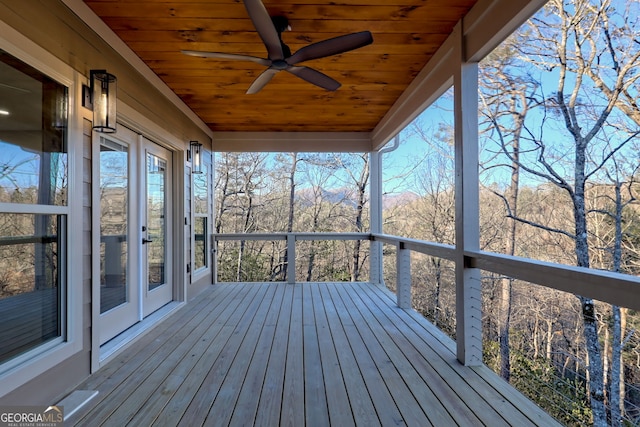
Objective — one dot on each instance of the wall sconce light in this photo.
(196, 157)
(101, 98)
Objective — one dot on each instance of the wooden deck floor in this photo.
(306, 354)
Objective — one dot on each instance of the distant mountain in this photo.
(308, 196)
(347, 196)
(398, 199)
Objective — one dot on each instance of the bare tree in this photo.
(573, 42)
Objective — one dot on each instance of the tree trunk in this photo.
(616, 398)
(292, 198)
(362, 187)
(596, 373)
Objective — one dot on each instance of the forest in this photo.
(559, 157)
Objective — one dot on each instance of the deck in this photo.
(306, 354)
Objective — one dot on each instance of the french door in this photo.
(135, 223)
(156, 228)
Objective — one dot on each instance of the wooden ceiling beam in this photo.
(292, 141)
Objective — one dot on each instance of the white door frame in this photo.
(152, 300)
(132, 119)
(118, 319)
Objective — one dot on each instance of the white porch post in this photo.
(375, 247)
(468, 286)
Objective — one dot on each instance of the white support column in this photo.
(468, 285)
(213, 253)
(375, 195)
(403, 276)
(291, 258)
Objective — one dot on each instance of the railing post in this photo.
(375, 262)
(214, 256)
(403, 273)
(291, 258)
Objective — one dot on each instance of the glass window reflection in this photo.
(30, 281)
(33, 132)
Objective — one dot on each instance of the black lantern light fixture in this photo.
(101, 98)
(196, 157)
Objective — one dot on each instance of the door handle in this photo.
(146, 240)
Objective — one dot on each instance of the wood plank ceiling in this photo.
(406, 33)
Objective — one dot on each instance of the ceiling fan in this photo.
(279, 55)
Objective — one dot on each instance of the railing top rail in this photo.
(249, 236)
(439, 250)
(606, 286)
(295, 235)
(23, 240)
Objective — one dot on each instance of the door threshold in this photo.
(120, 342)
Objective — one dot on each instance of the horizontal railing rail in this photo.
(439, 250)
(27, 240)
(295, 235)
(605, 286)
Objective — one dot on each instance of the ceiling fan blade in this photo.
(315, 77)
(221, 55)
(262, 21)
(262, 80)
(331, 47)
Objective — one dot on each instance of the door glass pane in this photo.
(114, 221)
(156, 220)
(30, 281)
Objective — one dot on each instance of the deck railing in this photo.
(604, 286)
(291, 239)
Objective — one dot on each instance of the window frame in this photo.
(199, 273)
(34, 362)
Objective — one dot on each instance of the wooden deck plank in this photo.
(246, 405)
(173, 411)
(386, 408)
(444, 405)
(371, 333)
(270, 400)
(197, 411)
(249, 350)
(337, 399)
(164, 391)
(462, 402)
(362, 407)
(177, 327)
(149, 392)
(305, 354)
(292, 413)
(492, 407)
(315, 400)
(516, 399)
(410, 368)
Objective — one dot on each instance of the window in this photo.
(33, 207)
(201, 216)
